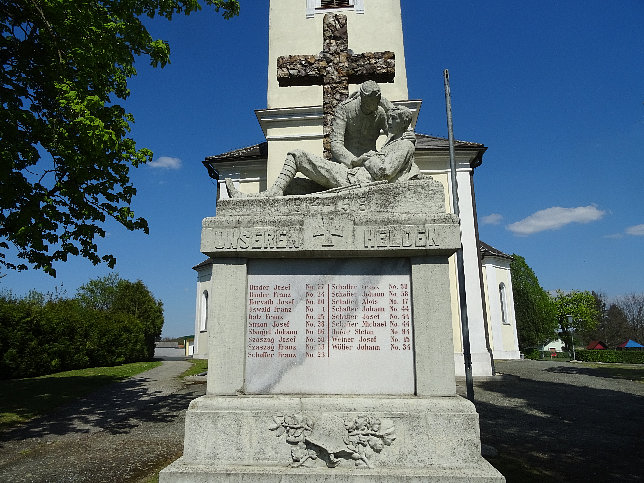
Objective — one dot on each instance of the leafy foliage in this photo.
(632, 305)
(613, 327)
(119, 297)
(99, 294)
(42, 335)
(582, 306)
(534, 311)
(623, 356)
(65, 154)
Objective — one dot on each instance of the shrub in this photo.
(40, 334)
(623, 356)
(533, 354)
(539, 355)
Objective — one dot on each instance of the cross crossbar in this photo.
(335, 68)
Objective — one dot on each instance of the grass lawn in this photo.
(24, 399)
(198, 366)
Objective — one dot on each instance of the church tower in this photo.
(294, 114)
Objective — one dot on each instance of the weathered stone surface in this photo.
(246, 429)
(423, 196)
(384, 220)
(282, 438)
(334, 68)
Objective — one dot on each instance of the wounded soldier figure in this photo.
(394, 162)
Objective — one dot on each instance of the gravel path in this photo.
(563, 421)
(122, 432)
(548, 421)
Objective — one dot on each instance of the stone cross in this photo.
(334, 68)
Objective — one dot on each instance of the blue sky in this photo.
(554, 89)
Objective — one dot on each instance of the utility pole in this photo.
(465, 330)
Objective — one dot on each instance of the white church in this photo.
(293, 119)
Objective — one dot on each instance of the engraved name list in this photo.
(312, 330)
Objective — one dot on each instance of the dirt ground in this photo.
(540, 421)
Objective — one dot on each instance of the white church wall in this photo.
(500, 310)
(437, 166)
(203, 306)
(249, 177)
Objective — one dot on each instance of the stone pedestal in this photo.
(331, 351)
(412, 439)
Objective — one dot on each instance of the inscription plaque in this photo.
(329, 327)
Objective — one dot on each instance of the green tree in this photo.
(65, 154)
(633, 307)
(613, 327)
(582, 306)
(118, 297)
(134, 298)
(534, 311)
(99, 293)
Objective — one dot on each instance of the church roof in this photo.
(424, 142)
(489, 251)
(248, 153)
(205, 263)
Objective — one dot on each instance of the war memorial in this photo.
(330, 323)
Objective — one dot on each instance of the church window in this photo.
(334, 4)
(322, 6)
(203, 316)
(504, 307)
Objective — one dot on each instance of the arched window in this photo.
(504, 307)
(203, 316)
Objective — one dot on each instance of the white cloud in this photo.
(166, 162)
(637, 230)
(493, 219)
(554, 218)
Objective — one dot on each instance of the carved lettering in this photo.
(257, 239)
(326, 322)
(400, 237)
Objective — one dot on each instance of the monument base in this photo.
(320, 438)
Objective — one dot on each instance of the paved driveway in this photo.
(549, 421)
(560, 421)
(119, 433)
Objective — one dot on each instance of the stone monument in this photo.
(330, 347)
(331, 352)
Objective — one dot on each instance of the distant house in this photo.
(596, 345)
(630, 345)
(557, 345)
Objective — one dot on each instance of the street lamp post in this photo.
(572, 339)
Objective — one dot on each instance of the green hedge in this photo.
(39, 338)
(623, 356)
(539, 355)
